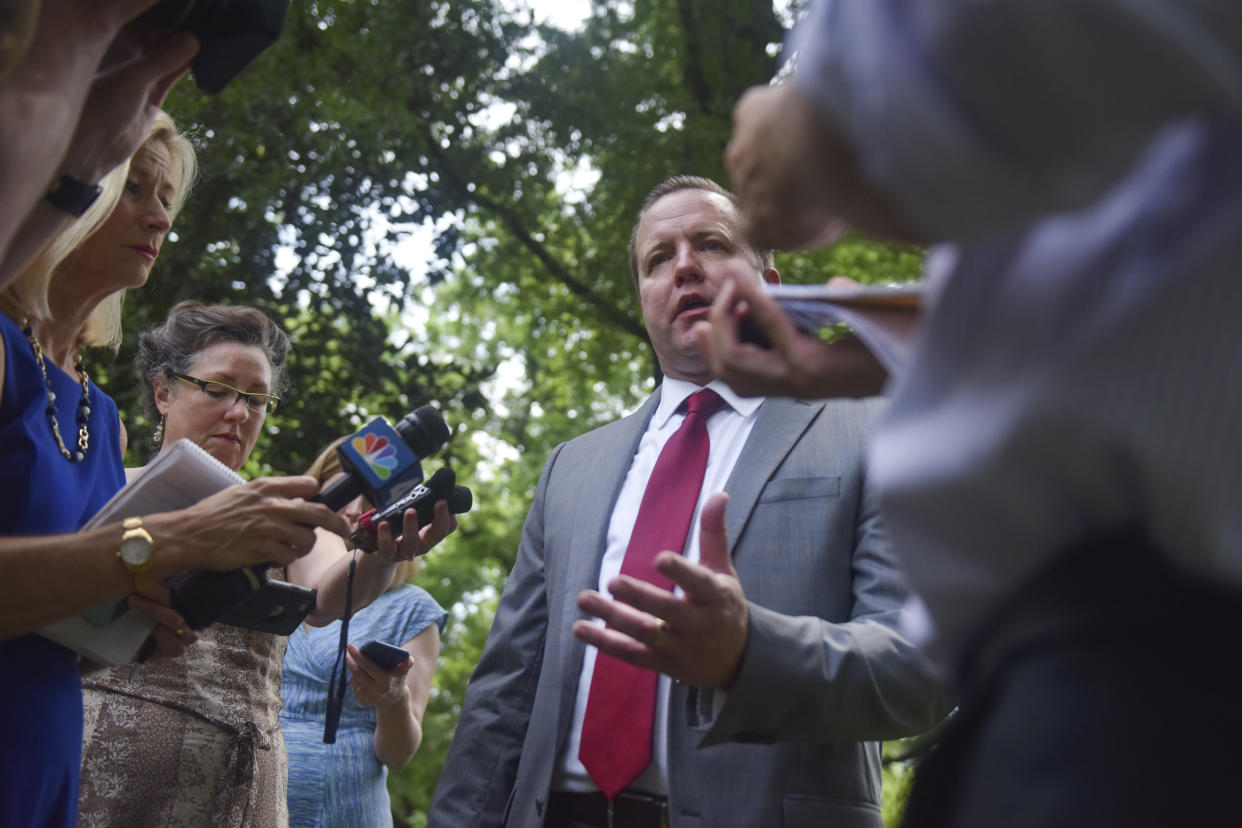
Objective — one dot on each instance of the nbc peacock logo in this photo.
(377, 453)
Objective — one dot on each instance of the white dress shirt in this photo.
(727, 431)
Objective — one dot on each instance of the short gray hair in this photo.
(169, 348)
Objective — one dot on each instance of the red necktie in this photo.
(616, 729)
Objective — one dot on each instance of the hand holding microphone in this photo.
(422, 500)
(382, 463)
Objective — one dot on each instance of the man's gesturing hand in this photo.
(697, 638)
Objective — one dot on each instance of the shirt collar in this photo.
(674, 391)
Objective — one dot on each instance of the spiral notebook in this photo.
(111, 633)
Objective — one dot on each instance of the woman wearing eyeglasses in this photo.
(197, 740)
(212, 374)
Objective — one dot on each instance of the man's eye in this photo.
(712, 244)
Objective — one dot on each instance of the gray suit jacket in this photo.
(825, 668)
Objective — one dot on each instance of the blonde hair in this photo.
(326, 466)
(29, 291)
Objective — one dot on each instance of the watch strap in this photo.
(73, 195)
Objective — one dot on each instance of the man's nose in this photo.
(687, 267)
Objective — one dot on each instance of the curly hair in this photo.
(169, 348)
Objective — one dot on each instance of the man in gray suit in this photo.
(778, 668)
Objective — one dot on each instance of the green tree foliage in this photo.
(526, 149)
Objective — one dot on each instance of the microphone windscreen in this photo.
(460, 500)
(423, 430)
(441, 483)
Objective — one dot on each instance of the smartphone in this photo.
(386, 656)
(203, 597)
(275, 607)
(269, 606)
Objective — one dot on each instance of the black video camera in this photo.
(231, 33)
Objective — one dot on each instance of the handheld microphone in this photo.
(422, 499)
(381, 462)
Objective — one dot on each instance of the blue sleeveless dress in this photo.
(44, 494)
(342, 784)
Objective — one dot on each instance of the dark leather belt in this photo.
(628, 810)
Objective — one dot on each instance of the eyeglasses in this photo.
(219, 392)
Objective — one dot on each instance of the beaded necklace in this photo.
(84, 404)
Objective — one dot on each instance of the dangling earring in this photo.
(158, 436)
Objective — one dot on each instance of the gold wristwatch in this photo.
(137, 552)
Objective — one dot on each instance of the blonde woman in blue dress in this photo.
(345, 784)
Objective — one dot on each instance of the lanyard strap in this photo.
(336, 685)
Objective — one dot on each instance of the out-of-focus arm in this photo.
(974, 117)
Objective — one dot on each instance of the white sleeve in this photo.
(976, 115)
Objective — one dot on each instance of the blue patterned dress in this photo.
(342, 784)
(45, 494)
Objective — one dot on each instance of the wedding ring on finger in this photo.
(660, 640)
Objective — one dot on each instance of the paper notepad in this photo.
(180, 476)
(883, 318)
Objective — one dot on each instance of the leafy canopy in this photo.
(522, 151)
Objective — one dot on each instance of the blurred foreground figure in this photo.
(78, 93)
(1060, 468)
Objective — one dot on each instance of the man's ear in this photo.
(163, 394)
(771, 276)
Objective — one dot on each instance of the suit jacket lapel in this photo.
(779, 424)
(612, 452)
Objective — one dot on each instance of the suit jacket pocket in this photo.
(800, 488)
(814, 812)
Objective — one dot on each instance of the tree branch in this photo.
(509, 218)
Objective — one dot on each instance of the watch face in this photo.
(135, 551)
